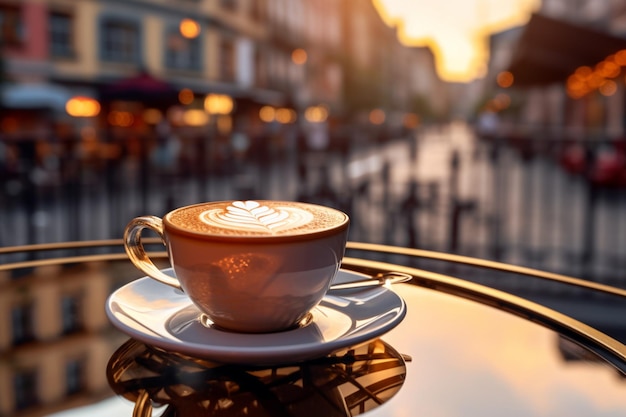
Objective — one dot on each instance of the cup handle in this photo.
(136, 252)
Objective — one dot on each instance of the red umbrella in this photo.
(143, 88)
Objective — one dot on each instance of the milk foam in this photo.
(256, 218)
(251, 215)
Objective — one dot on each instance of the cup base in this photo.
(206, 321)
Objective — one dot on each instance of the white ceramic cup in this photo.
(250, 266)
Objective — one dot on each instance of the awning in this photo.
(549, 50)
(34, 96)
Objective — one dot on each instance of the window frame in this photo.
(18, 30)
(26, 388)
(75, 375)
(109, 55)
(71, 314)
(182, 63)
(22, 323)
(67, 49)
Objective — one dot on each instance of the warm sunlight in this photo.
(456, 30)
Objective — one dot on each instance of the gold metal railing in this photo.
(603, 345)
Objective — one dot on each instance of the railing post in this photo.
(455, 213)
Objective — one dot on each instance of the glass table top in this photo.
(463, 349)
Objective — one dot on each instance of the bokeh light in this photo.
(316, 114)
(189, 28)
(121, 118)
(185, 96)
(505, 79)
(600, 78)
(152, 116)
(267, 114)
(502, 101)
(377, 117)
(299, 56)
(285, 115)
(608, 88)
(608, 69)
(80, 106)
(195, 117)
(218, 104)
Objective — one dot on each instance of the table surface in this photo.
(463, 349)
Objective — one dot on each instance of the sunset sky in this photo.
(456, 30)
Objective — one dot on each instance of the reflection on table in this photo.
(347, 383)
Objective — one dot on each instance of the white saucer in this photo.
(162, 316)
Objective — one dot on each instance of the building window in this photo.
(227, 60)
(119, 40)
(22, 323)
(70, 314)
(74, 376)
(25, 389)
(182, 53)
(61, 35)
(11, 26)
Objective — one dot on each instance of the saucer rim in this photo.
(250, 354)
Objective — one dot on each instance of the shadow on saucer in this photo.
(348, 383)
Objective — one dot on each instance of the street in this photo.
(442, 190)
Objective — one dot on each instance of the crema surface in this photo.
(257, 218)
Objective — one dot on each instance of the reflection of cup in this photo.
(350, 382)
(250, 266)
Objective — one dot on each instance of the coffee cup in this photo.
(249, 266)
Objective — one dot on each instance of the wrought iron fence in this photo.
(558, 205)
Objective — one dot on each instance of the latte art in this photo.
(261, 218)
(251, 215)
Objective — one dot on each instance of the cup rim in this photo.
(336, 229)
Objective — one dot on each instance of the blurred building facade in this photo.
(554, 99)
(551, 105)
(55, 315)
(284, 54)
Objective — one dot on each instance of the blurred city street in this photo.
(441, 189)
